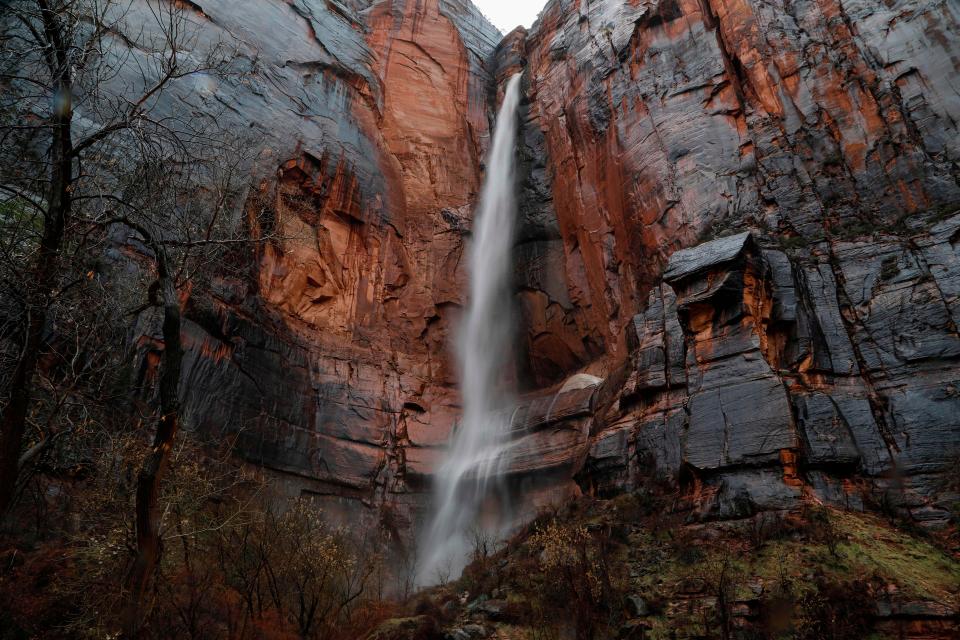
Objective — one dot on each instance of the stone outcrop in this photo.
(760, 377)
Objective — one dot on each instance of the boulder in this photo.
(415, 628)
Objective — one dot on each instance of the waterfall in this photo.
(472, 464)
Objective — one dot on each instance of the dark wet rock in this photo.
(742, 493)
(830, 342)
(658, 344)
(637, 606)
(466, 632)
(826, 435)
(779, 273)
(915, 609)
(492, 609)
(792, 371)
(711, 255)
(740, 423)
(415, 628)
(831, 489)
(539, 411)
(477, 602)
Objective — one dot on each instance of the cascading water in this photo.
(477, 449)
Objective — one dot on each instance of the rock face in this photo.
(332, 366)
(759, 377)
(661, 121)
(809, 349)
(815, 355)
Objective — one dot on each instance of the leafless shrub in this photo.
(575, 575)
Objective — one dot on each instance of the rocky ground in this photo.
(629, 568)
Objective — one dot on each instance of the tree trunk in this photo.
(45, 270)
(155, 465)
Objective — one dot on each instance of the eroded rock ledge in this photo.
(760, 376)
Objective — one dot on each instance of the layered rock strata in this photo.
(370, 121)
(655, 122)
(814, 356)
(760, 376)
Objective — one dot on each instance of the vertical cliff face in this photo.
(332, 363)
(665, 121)
(816, 354)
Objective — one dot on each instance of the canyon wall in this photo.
(661, 122)
(736, 263)
(329, 365)
(816, 351)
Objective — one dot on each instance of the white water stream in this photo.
(473, 462)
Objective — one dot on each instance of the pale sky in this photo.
(507, 14)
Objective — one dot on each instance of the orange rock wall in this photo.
(379, 274)
(647, 126)
(373, 120)
(664, 121)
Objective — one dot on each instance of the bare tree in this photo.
(59, 55)
(291, 564)
(186, 220)
(205, 499)
(169, 193)
(153, 174)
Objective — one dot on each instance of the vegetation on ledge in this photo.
(623, 569)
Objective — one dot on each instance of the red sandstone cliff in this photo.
(815, 356)
(663, 121)
(737, 263)
(334, 365)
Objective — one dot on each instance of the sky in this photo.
(507, 14)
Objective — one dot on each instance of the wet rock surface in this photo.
(814, 355)
(371, 120)
(793, 381)
(661, 121)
